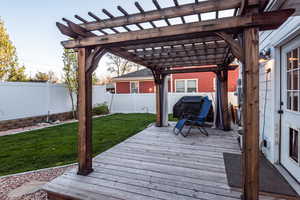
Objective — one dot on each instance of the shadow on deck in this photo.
(156, 164)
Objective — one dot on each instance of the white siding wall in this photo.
(273, 40)
(266, 105)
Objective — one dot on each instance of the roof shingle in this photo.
(140, 73)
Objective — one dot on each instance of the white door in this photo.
(290, 133)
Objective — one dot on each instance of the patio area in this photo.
(156, 164)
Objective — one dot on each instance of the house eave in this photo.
(284, 4)
(150, 78)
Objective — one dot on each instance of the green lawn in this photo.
(56, 146)
(171, 118)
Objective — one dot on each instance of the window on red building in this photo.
(191, 86)
(180, 86)
(134, 87)
(183, 85)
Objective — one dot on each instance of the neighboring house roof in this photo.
(137, 75)
(140, 73)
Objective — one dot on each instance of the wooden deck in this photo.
(155, 164)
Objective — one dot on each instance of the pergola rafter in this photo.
(175, 43)
(188, 37)
(182, 55)
(229, 25)
(167, 13)
(169, 49)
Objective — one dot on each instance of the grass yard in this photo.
(57, 146)
(172, 119)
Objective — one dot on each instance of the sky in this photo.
(32, 29)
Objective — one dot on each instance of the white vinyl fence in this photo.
(20, 100)
(145, 103)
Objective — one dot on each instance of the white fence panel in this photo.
(232, 98)
(59, 99)
(132, 103)
(100, 95)
(145, 103)
(20, 100)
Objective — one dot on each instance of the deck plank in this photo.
(156, 164)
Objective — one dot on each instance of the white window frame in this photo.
(185, 85)
(176, 85)
(289, 157)
(138, 85)
(215, 84)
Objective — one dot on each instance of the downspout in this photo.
(280, 103)
(171, 83)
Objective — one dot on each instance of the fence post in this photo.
(48, 100)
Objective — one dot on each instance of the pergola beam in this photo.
(165, 13)
(179, 49)
(189, 63)
(230, 24)
(188, 58)
(200, 69)
(182, 54)
(78, 29)
(173, 43)
(235, 47)
(66, 30)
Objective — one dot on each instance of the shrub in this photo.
(100, 109)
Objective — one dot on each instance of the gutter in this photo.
(150, 78)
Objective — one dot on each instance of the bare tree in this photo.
(52, 77)
(120, 66)
(105, 80)
(71, 76)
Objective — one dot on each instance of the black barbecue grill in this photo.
(190, 105)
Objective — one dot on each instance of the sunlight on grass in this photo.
(55, 146)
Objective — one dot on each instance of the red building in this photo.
(142, 82)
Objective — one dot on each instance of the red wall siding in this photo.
(122, 87)
(205, 82)
(146, 86)
(233, 76)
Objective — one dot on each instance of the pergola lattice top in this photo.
(202, 42)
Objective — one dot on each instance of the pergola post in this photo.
(165, 117)
(84, 114)
(251, 114)
(224, 97)
(159, 102)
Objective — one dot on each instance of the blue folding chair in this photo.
(194, 121)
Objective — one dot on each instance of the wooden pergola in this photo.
(204, 45)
